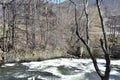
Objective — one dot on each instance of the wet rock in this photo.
(92, 76)
(0, 58)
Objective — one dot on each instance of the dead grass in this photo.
(33, 56)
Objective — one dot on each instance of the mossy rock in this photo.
(115, 66)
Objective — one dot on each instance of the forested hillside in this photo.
(39, 26)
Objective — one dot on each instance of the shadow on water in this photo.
(8, 72)
(114, 77)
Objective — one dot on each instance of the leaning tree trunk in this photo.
(104, 45)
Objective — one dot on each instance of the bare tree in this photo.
(26, 9)
(4, 25)
(104, 45)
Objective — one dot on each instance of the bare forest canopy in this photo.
(27, 25)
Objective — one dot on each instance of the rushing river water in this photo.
(57, 69)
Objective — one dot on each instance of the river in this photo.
(57, 69)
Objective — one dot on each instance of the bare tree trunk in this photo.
(26, 22)
(34, 25)
(13, 22)
(87, 20)
(46, 13)
(4, 25)
(105, 48)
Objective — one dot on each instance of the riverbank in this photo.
(13, 57)
(38, 55)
